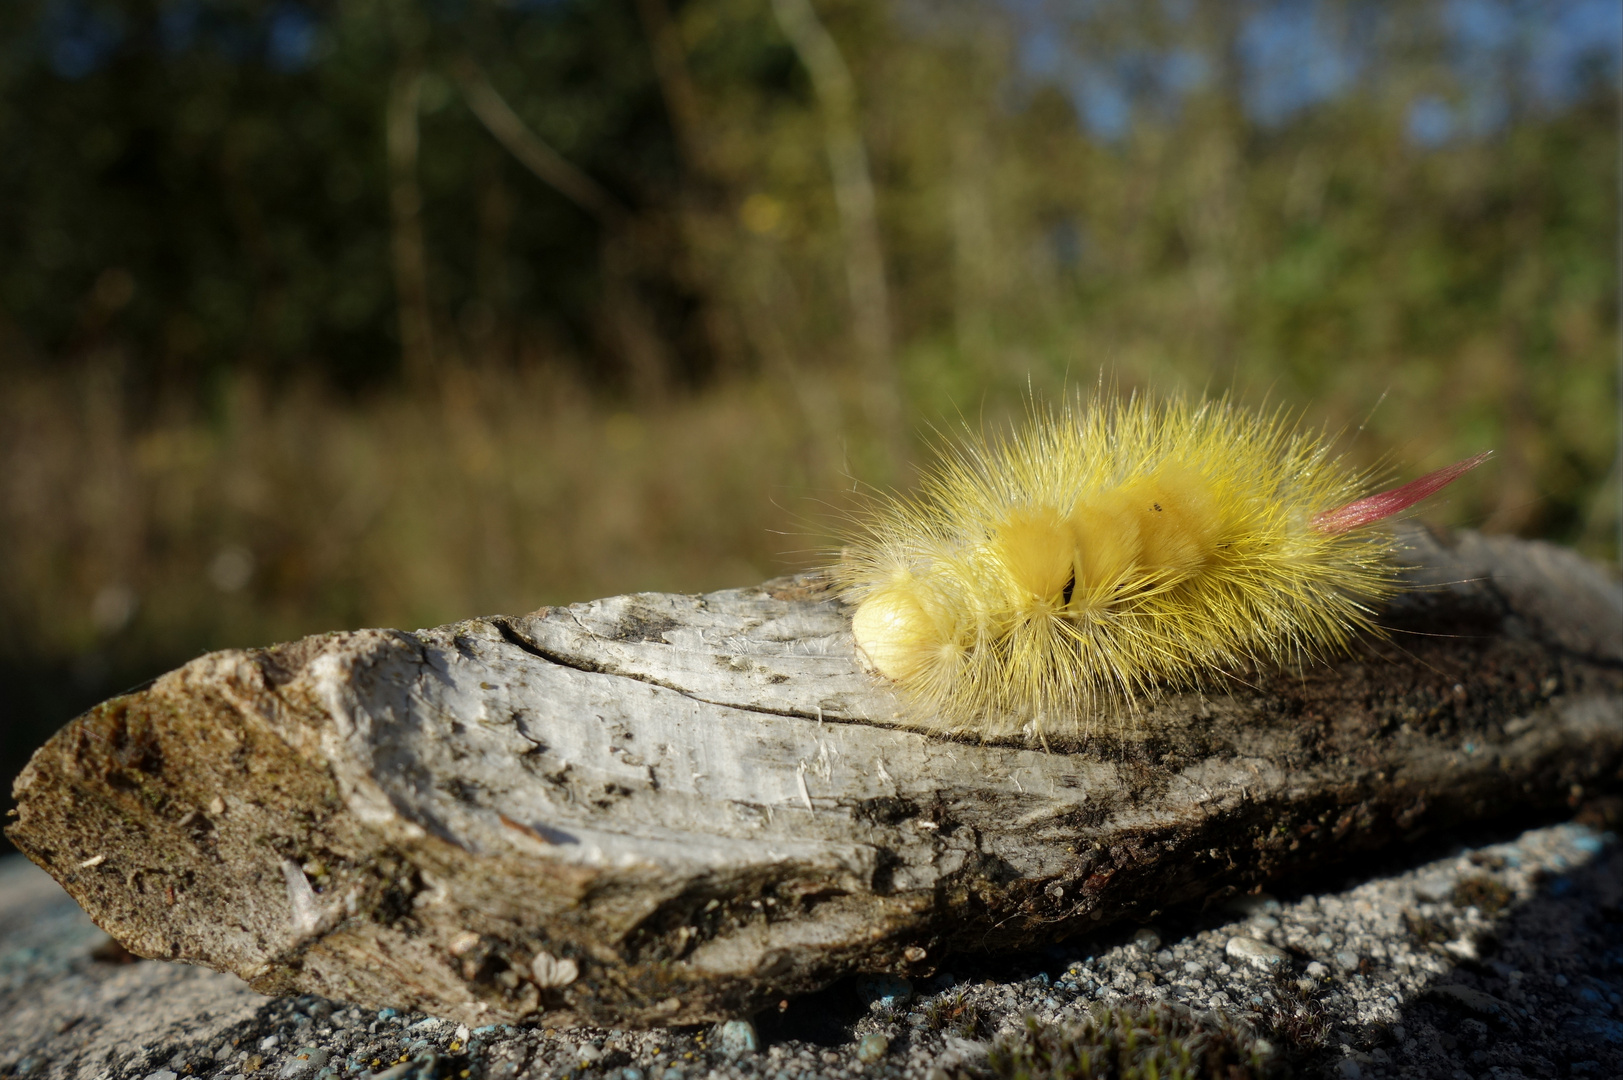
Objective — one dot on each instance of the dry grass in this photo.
(272, 517)
(139, 532)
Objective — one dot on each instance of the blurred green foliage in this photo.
(218, 250)
(206, 203)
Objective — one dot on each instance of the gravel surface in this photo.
(1494, 960)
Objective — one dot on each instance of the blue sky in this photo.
(1293, 54)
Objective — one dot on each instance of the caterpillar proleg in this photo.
(1108, 550)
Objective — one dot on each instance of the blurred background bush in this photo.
(316, 315)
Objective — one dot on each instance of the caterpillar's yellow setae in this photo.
(1106, 551)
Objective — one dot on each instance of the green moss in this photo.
(1424, 930)
(1483, 893)
(1136, 1042)
(1297, 1017)
(956, 1015)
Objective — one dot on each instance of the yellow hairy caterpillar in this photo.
(1108, 550)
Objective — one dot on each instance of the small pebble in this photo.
(305, 1060)
(737, 1037)
(1147, 938)
(872, 1047)
(161, 1074)
(1434, 888)
(1316, 970)
(1465, 948)
(1258, 954)
(425, 1067)
(885, 991)
(1474, 1000)
(1253, 905)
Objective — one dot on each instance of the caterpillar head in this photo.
(908, 632)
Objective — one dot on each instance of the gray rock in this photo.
(1147, 939)
(422, 1067)
(872, 1047)
(737, 1037)
(303, 1062)
(1435, 888)
(885, 991)
(1258, 954)
(1483, 1004)
(1252, 906)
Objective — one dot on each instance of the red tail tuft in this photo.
(1374, 508)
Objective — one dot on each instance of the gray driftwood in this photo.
(661, 809)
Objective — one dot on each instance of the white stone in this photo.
(1434, 888)
(550, 971)
(1258, 954)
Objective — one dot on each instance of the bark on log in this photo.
(661, 809)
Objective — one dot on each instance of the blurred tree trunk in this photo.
(405, 206)
(858, 208)
(631, 325)
(676, 85)
(713, 257)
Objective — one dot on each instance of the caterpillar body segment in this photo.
(1038, 583)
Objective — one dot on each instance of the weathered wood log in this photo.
(660, 809)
